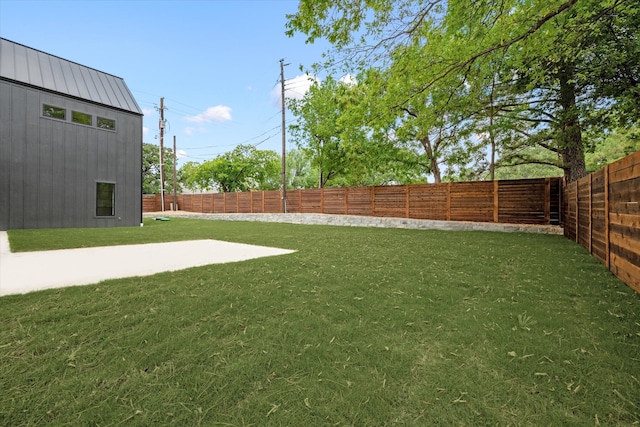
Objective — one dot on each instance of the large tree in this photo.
(243, 169)
(151, 169)
(613, 146)
(571, 65)
(300, 172)
(349, 141)
(188, 176)
(318, 131)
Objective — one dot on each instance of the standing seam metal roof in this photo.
(39, 69)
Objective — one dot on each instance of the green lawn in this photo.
(360, 326)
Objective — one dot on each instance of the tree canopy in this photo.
(151, 169)
(511, 77)
(245, 168)
(347, 138)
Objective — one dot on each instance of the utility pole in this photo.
(161, 126)
(284, 149)
(175, 182)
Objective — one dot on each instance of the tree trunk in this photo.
(435, 168)
(320, 171)
(492, 139)
(570, 135)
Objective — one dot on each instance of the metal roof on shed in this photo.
(39, 69)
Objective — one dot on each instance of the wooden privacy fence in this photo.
(530, 201)
(602, 213)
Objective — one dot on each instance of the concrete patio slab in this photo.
(23, 272)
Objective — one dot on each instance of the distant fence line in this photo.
(529, 201)
(602, 213)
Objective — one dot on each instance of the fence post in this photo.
(373, 200)
(547, 201)
(496, 201)
(346, 200)
(448, 201)
(262, 201)
(406, 200)
(322, 200)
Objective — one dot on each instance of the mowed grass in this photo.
(362, 327)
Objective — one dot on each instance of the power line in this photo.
(170, 99)
(228, 145)
(208, 156)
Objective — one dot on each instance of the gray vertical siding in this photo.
(6, 155)
(49, 168)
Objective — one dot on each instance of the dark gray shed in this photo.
(70, 144)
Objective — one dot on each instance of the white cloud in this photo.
(148, 111)
(145, 130)
(219, 114)
(189, 131)
(295, 88)
(348, 79)
(181, 154)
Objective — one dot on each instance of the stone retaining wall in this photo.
(363, 221)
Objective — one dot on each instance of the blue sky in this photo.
(216, 62)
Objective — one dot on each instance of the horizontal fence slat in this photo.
(518, 201)
(602, 213)
(628, 167)
(626, 245)
(627, 220)
(627, 272)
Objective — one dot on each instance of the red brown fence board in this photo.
(429, 201)
(473, 201)
(150, 203)
(531, 201)
(390, 201)
(334, 201)
(359, 201)
(602, 213)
